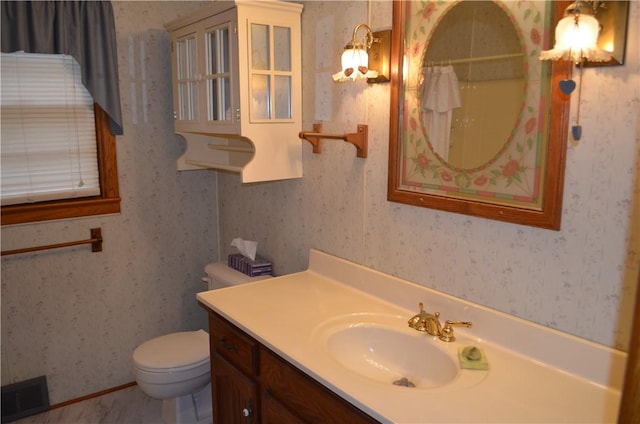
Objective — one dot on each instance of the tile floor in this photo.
(126, 406)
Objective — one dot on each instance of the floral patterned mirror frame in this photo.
(477, 191)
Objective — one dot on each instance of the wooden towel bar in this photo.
(360, 139)
(95, 241)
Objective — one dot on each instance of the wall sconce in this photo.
(366, 58)
(577, 35)
(577, 39)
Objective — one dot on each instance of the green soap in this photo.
(472, 358)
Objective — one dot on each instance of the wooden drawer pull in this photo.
(227, 345)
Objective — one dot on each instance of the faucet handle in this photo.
(446, 335)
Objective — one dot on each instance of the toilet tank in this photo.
(219, 275)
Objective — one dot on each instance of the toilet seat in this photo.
(174, 352)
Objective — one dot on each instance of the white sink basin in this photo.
(390, 356)
(383, 349)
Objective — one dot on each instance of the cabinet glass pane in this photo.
(260, 58)
(188, 101)
(282, 48)
(218, 54)
(186, 67)
(217, 74)
(283, 97)
(261, 90)
(186, 58)
(219, 95)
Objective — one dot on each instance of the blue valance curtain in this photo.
(82, 29)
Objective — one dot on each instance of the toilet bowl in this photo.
(170, 365)
(176, 367)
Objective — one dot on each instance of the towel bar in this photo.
(95, 241)
(358, 139)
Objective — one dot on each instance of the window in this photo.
(48, 130)
(58, 153)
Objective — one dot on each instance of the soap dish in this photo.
(472, 358)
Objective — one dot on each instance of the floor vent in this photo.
(25, 398)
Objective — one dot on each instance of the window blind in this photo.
(48, 139)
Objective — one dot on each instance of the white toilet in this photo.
(176, 367)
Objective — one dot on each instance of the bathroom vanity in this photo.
(328, 344)
(251, 383)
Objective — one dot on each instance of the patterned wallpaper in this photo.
(579, 280)
(77, 316)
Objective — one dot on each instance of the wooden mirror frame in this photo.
(550, 213)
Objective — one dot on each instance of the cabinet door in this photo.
(274, 412)
(271, 72)
(220, 90)
(205, 76)
(304, 396)
(234, 394)
(186, 87)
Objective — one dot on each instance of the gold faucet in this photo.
(429, 323)
(425, 321)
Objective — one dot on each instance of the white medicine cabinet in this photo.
(237, 88)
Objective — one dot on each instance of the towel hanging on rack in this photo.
(439, 95)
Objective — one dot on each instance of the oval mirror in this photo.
(498, 155)
(474, 67)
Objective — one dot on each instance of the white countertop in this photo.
(536, 375)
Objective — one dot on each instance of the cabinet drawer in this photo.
(303, 396)
(232, 344)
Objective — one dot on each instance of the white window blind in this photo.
(48, 136)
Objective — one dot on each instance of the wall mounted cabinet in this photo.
(237, 88)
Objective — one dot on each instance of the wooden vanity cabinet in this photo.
(252, 384)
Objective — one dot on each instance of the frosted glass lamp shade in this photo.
(354, 59)
(355, 66)
(576, 39)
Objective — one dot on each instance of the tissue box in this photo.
(259, 266)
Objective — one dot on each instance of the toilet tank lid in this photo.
(173, 350)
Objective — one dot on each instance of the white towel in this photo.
(439, 95)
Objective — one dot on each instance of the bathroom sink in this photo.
(391, 356)
(384, 349)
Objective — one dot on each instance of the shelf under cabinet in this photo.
(224, 153)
